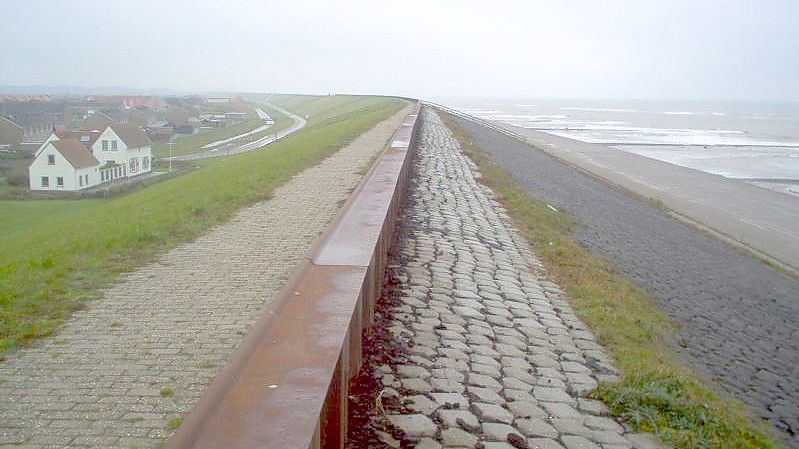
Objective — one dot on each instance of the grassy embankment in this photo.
(657, 393)
(55, 255)
(193, 143)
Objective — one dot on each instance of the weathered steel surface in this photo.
(286, 386)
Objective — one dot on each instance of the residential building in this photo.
(65, 165)
(75, 160)
(123, 150)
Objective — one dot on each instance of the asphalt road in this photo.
(739, 318)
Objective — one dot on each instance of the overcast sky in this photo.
(724, 49)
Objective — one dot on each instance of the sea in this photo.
(757, 142)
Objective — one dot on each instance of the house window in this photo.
(45, 181)
(50, 159)
(124, 170)
(145, 162)
(105, 145)
(80, 180)
(113, 145)
(134, 164)
(87, 179)
(59, 181)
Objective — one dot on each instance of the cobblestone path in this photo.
(120, 372)
(494, 356)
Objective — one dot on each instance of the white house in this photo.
(123, 151)
(77, 160)
(64, 164)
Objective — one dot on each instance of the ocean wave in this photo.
(600, 109)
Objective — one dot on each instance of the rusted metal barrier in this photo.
(286, 386)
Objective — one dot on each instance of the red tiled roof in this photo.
(78, 155)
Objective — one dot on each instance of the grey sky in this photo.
(609, 49)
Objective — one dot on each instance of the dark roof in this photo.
(87, 138)
(9, 121)
(76, 154)
(132, 135)
(97, 121)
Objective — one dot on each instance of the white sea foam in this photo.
(600, 109)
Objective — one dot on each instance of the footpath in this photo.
(484, 350)
(123, 372)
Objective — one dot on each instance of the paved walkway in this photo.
(120, 372)
(494, 355)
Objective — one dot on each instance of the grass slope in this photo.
(317, 109)
(57, 254)
(657, 393)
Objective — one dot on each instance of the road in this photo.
(299, 123)
(261, 115)
(739, 319)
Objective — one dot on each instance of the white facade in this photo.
(52, 171)
(111, 150)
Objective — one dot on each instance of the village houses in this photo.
(76, 160)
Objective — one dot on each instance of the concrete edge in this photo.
(286, 385)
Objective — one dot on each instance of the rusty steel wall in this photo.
(286, 386)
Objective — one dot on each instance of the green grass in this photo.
(317, 109)
(58, 254)
(657, 393)
(193, 143)
(18, 218)
(173, 424)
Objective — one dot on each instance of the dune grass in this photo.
(657, 393)
(55, 255)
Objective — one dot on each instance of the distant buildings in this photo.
(76, 160)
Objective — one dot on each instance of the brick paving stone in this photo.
(504, 343)
(170, 325)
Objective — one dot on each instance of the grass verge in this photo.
(657, 393)
(56, 255)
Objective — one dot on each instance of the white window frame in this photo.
(59, 181)
(51, 159)
(45, 181)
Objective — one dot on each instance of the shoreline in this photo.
(707, 286)
(754, 218)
